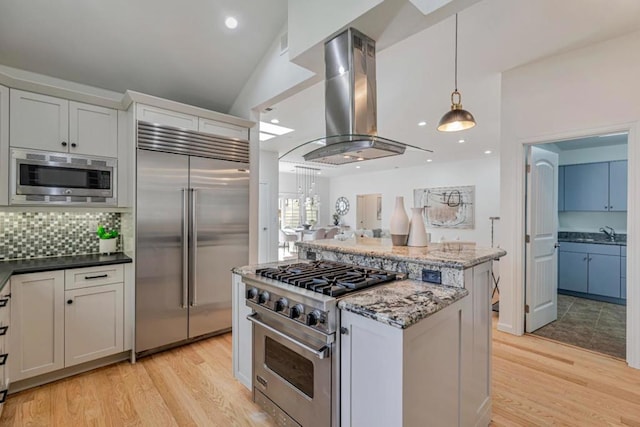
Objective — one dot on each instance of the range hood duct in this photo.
(350, 103)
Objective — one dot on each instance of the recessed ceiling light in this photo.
(422, 123)
(429, 160)
(357, 167)
(275, 121)
(319, 173)
(487, 152)
(231, 22)
(460, 141)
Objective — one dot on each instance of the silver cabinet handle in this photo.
(185, 247)
(194, 247)
(320, 354)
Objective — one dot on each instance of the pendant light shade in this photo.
(457, 118)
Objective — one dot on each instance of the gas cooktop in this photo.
(327, 277)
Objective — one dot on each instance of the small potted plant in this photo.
(108, 240)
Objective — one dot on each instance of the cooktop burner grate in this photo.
(327, 277)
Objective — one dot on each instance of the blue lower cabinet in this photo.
(604, 275)
(572, 271)
(623, 288)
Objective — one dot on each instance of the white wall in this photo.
(327, 204)
(268, 174)
(484, 174)
(579, 93)
(592, 155)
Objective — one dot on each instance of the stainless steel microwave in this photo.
(39, 177)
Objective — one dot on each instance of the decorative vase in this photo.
(399, 226)
(417, 232)
(108, 246)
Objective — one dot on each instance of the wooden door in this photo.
(93, 130)
(542, 228)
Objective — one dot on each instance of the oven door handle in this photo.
(320, 354)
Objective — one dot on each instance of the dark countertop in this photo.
(594, 238)
(36, 265)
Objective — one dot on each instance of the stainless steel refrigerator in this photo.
(192, 227)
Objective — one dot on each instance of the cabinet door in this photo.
(572, 271)
(166, 117)
(4, 146)
(39, 121)
(225, 130)
(5, 310)
(586, 187)
(604, 275)
(618, 186)
(242, 335)
(37, 324)
(623, 288)
(93, 130)
(93, 323)
(561, 188)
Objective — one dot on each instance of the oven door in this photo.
(293, 370)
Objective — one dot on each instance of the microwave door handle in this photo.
(185, 247)
(320, 354)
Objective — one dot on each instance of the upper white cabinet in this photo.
(4, 145)
(48, 123)
(226, 130)
(161, 116)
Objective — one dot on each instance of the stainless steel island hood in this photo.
(350, 104)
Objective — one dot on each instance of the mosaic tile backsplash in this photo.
(44, 234)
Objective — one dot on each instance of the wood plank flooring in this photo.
(536, 382)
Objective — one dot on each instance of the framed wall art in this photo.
(447, 207)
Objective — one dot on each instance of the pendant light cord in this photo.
(456, 56)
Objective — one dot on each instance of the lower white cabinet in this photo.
(53, 328)
(402, 377)
(5, 320)
(242, 335)
(37, 324)
(93, 323)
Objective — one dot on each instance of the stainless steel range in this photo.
(296, 370)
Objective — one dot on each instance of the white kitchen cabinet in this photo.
(225, 130)
(93, 323)
(5, 320)
(161, 116)
(403, 377)
(4, 146)
(93, 130)
(43, 122)
(242, 335)
(37, 324)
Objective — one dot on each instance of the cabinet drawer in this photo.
(166, 117)
(223, 129)
(591, 248)
(93, 276)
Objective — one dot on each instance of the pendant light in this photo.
(457, 118)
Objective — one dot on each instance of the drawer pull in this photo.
(100, 276)
(3, 396)
(4, 302)
(3, 330)
(3, 358)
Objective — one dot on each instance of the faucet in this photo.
(611, 234)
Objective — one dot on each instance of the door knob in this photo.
(557, 245)
(69, 301)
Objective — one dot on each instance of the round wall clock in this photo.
(342, 206)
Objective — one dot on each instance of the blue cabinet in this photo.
(618, 186)
(586, 187)
(604, 275)
(572, 271)
(623, 274)
(561, 188)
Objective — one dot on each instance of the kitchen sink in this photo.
(583, 240)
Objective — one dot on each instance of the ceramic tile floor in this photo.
(594, 325)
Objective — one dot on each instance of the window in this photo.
(289, 212)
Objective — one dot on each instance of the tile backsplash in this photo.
(43, 234)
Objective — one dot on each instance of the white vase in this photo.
(417, 232)
(108, 246)
(399, 226)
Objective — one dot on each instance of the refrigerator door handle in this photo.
(194, 247)
(185, 247)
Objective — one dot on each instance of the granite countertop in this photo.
(448, 254)
(588, 237)
(403, 303)
(251, 268)
(36, 265)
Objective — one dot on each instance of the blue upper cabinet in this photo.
(586, 187)
(561, 188)
(618, 186)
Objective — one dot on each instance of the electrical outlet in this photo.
(93, 226)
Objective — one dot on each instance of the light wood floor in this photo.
(535, 382)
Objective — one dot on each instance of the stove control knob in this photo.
(296, 311)
(252, 293)
(281, 304)
(263, 297)
(314, 318)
